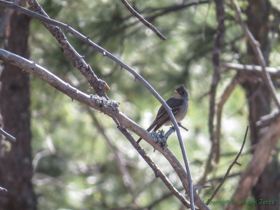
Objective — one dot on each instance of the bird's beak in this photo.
(176, 92)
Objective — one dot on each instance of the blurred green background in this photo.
(75, 168)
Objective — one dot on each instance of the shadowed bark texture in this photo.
(16, 165)
(259, 100)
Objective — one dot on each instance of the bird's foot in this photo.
(160, 138)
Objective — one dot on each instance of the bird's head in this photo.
(181, 92)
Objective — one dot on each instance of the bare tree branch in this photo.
(256, 166)
(68, 50)
(255, 45)
(268, 119)
(214, 151)
(220, 15)
(108, 107)
(159, 12)
(157, 171)
(66, 47)
(88, 71)
(7, 135)
(145, 22)
(235, 80)
(229, 168)
(172, 8)
(274, 72)
(128, 181)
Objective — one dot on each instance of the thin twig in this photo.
(173, 8)
(255, 45)
(128, 181)
(235, 80)
(261, 156)
(157, 171)
(7, 135)
(164, 11)
(229, 168)
(145, 22)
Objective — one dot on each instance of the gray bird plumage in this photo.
(179, 104)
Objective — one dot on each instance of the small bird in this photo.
(179, 104)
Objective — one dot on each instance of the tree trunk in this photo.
(16, 165)
(259, 100)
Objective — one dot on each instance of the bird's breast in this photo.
(182, 113)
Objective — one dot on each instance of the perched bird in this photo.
(179, 104)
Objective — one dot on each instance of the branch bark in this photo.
(229, 168)
(145, 22)
(97, 83)
(273, 72)
(220, 15)
(257, 165)
(108, 107)
(128, 181)
(255, 45)
(235, 80)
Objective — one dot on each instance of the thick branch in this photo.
(255, 168)
(255, 45)
(157, 171)
(268, 119)
(273, 72)
(88, 70)
(108, 107)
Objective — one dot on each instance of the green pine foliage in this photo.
(79, 170)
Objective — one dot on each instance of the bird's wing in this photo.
(162, 115)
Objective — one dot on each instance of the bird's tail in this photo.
(139, 140)
(149, 129)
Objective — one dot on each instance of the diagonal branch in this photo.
(7, 135)
(157, 171)
(108, 107)
(35, 6)
(255, 45)
(128, 181)
(254, 169)
(173, 8)
(229, 168)
(145, 22)
(68, 50)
